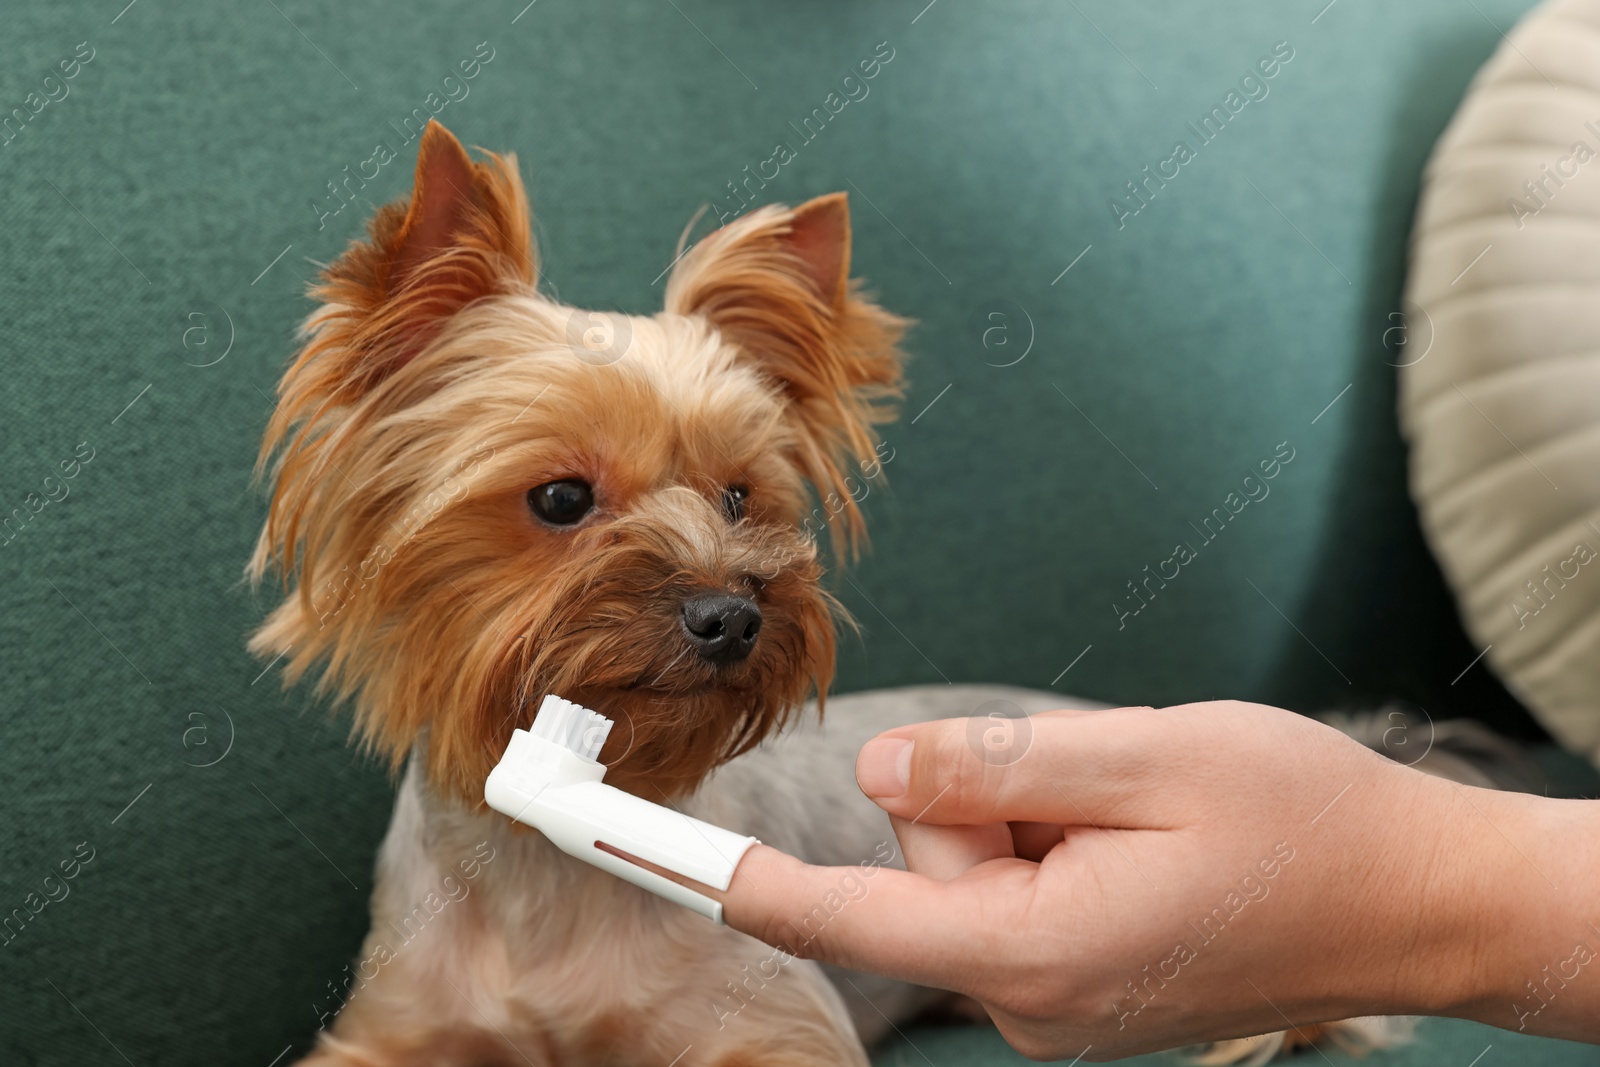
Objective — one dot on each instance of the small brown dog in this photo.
(482, 496)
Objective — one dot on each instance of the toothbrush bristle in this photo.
(571, 725)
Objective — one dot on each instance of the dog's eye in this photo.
(733, 499)
(561, 503)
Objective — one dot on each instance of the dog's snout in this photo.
(721, 626)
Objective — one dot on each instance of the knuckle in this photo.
(1031, 1043)
(783, 933)
(1033, 991)
(960, 779)
(1026, 1002)
(776, 925)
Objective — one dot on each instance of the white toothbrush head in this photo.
(572, 726)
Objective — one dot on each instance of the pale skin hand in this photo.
(1069, 891)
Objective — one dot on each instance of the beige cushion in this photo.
(1500, 376)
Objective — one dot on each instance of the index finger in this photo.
(877, 919)
(869, 918)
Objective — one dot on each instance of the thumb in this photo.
(1064, 768)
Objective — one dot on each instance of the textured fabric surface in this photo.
(163, 210)
(1500, 392)
(1439, 1043)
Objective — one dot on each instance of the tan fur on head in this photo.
(777, 283)
(437, 387)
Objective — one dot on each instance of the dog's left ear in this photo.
(462, 235)
(776, 284)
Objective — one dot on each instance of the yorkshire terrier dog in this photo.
(480, 496)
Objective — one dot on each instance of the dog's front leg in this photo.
(746, 1005)
(431, 1012)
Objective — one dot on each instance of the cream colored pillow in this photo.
(1500, 378)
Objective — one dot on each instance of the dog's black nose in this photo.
(721, 626)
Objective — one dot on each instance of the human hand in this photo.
(1139, 879)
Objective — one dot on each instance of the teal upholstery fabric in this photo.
(1439, 1043)
(1089, 383)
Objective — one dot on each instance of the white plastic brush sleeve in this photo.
(559, 793)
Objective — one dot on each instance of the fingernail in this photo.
(884, 767)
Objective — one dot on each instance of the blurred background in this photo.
(1094, 371)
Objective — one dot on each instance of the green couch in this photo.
(1089, 383)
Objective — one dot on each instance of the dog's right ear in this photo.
(462, 234)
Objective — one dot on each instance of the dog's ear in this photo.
(776, 284)
(463, 233)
